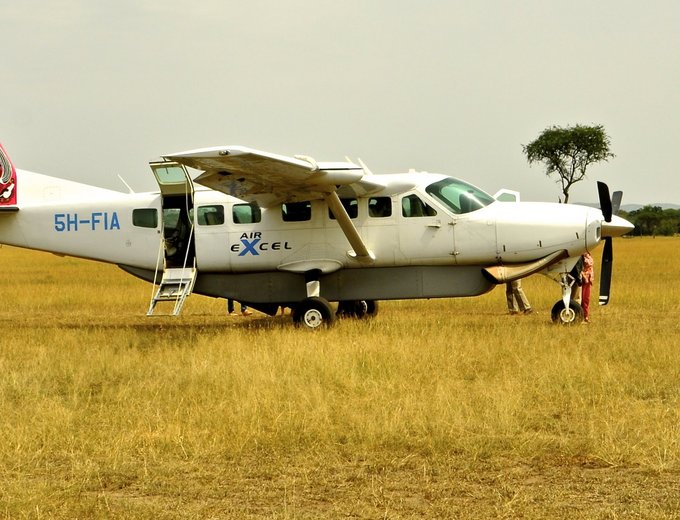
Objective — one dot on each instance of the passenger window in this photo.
(246, 213)
(210, 215)
(145, 217)
(296, 211)
(351, 207)
(412, 206)
(380, 207)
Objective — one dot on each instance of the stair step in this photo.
(177, 283)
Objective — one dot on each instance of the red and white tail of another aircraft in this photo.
(270, 230)
(8, 180)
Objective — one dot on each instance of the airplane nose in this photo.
(617, 227)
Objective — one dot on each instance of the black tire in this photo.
(371, 308)
(561, 316)
(313, 313)
(345, 309)
(357, 309)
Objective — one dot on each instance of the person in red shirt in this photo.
(587, 278)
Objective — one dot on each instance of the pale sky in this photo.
(92, 89)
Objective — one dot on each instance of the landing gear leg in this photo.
(314, 311)
(566, 282)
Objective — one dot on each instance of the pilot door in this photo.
(177, 201)
(179, 264)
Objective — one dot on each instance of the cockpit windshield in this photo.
(460, 197)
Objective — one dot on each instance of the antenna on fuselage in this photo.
(363, 165)
(126, 184)
(366, 169)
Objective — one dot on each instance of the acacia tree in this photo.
(568, 152)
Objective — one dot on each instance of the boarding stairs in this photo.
(176, 284)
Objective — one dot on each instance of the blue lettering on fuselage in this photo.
(94, 221)
(253, 244)
(249, 247)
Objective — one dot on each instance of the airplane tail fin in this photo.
(8, 180)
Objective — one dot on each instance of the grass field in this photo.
(435, 409)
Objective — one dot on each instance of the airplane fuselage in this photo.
(259, 254)
(272, 230)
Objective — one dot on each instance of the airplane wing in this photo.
(267, 178)
(271, 179)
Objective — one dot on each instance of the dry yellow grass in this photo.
(440, 408)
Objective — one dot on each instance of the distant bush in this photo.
(653, 220)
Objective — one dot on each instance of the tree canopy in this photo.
(569, 151)
(653, 220)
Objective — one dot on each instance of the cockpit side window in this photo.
(413, 206)
(460, 197)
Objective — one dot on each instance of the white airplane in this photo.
(271, 231)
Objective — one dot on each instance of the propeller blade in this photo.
(606, 271)
(605, 201)
(616, 201)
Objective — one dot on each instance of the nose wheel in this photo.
(566, 311)
(567, 315)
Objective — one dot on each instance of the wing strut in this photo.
(361, 252)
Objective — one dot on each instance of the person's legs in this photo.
(522, 300)
(510, 297)
(585, 300)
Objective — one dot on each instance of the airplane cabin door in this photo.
(177, 194)
(425, 234)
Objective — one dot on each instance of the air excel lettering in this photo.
(95, 221)
(252, 243)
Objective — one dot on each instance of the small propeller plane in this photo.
(270, 231)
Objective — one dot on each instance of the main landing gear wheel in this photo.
(313, 313)
(563, 316)
(358, 308)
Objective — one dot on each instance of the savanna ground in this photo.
(435, 409)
